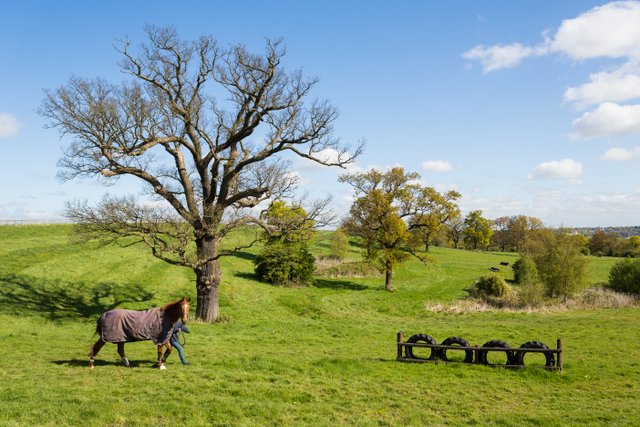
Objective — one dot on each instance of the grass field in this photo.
(321, 355)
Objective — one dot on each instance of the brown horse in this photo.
(120, 326)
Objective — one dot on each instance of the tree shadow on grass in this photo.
(244, 255)
(317, 283)
(248, 276)
(57, 299)
(339, 284)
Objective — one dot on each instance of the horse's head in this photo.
(184, 309)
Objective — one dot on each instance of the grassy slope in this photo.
(321, 355)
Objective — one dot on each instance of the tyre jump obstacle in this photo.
(515, 356)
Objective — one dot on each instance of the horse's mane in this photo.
(170, 305)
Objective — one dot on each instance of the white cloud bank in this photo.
(9, 125)
(608, 31)
(437, 166)
(566, 168)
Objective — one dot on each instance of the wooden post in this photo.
(560, 363)
(399, 340)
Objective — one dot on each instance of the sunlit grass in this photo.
(322, 355)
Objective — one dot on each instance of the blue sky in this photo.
(527, 107)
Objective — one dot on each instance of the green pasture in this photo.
(321, 355)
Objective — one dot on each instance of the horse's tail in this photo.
(98, 331)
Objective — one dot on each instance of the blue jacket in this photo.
(175, 332)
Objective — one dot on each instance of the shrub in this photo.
(531, 293)
(282, 263)
(490, 285)
(625, 276)
(562, 268)
(524, 269)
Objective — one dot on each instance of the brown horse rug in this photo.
(131, 325)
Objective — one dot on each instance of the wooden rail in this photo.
(477, 351)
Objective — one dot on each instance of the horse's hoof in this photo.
(91, 367)
(162, 367)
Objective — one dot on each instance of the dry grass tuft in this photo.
(589, 299)
(333, 267)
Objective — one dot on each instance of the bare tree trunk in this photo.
(388, 277)
(208, 278)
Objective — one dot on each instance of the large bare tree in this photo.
(207, 129)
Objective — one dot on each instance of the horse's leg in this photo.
(160, 360)
(94, 351)
(167, 353)
(121, 353)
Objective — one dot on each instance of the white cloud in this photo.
(9, 125)
(498, 57)
(621, 154)
(609, 119)
(608, 31)
(566, 168)
(437, 166)
(611, 30)
(620, 85)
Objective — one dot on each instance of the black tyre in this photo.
(482, 354)
(550, 360)
(468, 354)
(427, 339)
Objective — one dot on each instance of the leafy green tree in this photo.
(384, 214)
(501, 237)
(288, 223)
(561, 265)
(439, 208)
(454, 230)
(477, 230)
(525, 273)
(520, 228)
(635, 244)
(339, 244)
(603, 243)
(512, 232)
